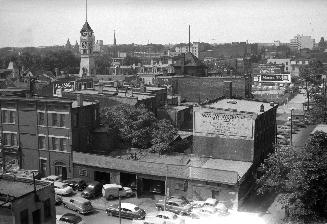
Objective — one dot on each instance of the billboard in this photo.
(63, 86)
(223, 123)
(282, 78)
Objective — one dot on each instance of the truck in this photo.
(111, 191)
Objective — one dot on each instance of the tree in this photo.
(301, 175)
(163, 134)
(311, 75)
(138, 127)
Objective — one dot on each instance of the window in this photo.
(9, 139)
(63, 143)
(24, 216)
(55, 143)
(75, 120)
(47, 209)
(54, 120)
(62, 120)
(41, 118)
(41, 142)
(83, 172)
(8, 116)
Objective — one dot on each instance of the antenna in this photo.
(86, 10)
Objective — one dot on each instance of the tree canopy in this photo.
(138, 127)
(301, 175)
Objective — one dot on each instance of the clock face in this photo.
(84, 34)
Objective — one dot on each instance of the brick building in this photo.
(237, 130)
(199, 89)
(21, 203)
(42, 132)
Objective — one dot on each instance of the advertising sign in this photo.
(284, 78)
(224, 124)
(63, 86)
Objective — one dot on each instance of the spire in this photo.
(85, 10)
(115, 37)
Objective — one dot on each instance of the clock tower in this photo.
(87, 65)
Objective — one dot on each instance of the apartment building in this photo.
(41, 133)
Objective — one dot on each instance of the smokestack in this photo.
(189, 38)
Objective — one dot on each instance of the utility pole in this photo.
(189, 38)
(119, 206)
(165, 201)
(291, 137)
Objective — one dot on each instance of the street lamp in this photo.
(291, 142)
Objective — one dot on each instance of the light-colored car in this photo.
(164, 217)
(62, 188)
(175, 205)
(51, 178)
(111, 191)
(204, 211)
(69, 218)
(197, 204)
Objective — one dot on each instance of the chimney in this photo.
(100, 90)
(228, 91)
(262, 108)
(79, 100)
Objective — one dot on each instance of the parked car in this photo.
(78, 204)
(111, 191)
(204, 211)
(93, 189)
(62, 188)
(157, 187)
(181, 197)
(58, 199)
(219, 206)
(76, 183)
(197, 204)
(69, 218)
(175, 205)
(128, 211)
(51, 178)
(164, 217)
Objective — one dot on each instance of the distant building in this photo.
(68, 45)
(296, 64)
(300, 42)
(196, 47)
(285, 62)
(188, 64)
(22, 202)
(200, 89)
(98, 46)
(41, 133)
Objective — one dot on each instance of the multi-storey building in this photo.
(300, 42)
(21, 202)
(42, 132)
(195, 48)
(285, 62)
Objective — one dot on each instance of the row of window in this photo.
(56, 143)
(57, 120)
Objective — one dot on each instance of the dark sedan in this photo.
(76, 183)
(128, 211)
(69, 218)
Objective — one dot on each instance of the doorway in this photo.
(36, 216)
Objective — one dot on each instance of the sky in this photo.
(26, 23)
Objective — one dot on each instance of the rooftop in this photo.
(320, 127)
(18, 187)
(176, 166)
(240, 105)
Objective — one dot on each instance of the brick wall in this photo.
(223, 148)
(195, 89)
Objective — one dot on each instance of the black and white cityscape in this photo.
(163, 112)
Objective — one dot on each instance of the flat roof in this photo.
(240, 105)
(17, 187)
